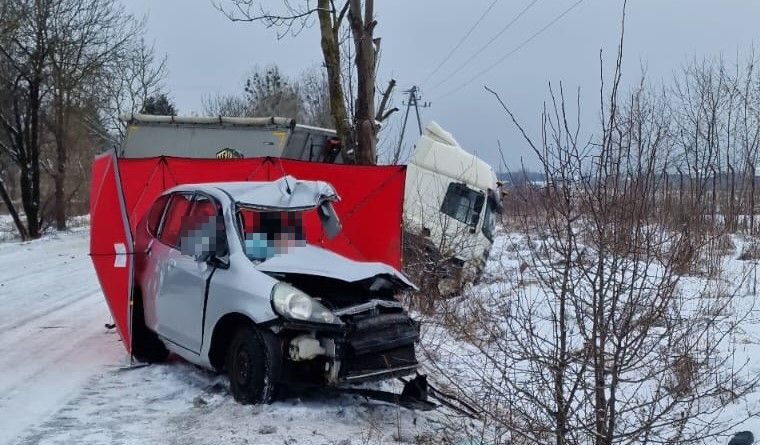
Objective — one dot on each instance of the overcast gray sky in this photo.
(209, 54)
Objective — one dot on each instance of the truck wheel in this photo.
(254, 365)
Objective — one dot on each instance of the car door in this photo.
(182, 286)
(147, 261)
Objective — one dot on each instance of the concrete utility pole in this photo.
(413, 101)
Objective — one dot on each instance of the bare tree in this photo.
(24, 53)
(267, 92)
(86, 36)
(270, 93)
(225, 105)
(315, 98)
(159, 105)
(358, 134)
(129, 80)
(596, 337)
(716, 132)
(613, 350)
(57, 58)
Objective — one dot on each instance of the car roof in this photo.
(287, 192)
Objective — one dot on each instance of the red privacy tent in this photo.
(122, 190)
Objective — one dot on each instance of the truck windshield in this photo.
(463, 203)
(269, 233)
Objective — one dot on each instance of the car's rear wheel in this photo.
(254, 364)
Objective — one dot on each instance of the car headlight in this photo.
(294, 304)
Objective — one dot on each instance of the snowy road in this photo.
(52, 335)
(60, 380)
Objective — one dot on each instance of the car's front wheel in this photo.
(254, 364)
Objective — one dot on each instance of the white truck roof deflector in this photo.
(438, 151)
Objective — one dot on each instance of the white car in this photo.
(225, 279)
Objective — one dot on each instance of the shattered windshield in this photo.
(269, 233)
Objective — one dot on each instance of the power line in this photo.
(461, 41)
(517, 48)
(489, 43)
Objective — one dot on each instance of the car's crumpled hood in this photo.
(312, 260)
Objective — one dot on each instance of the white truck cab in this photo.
(449, 201)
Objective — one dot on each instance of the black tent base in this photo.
(131, 363)
(133, 366)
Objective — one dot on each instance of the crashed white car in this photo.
(225, 279)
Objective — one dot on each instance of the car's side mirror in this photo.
(329, 220)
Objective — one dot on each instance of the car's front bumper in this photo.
(364, 348)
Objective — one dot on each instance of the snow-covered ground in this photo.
(470, 357)
(62, 382)
(63, 378)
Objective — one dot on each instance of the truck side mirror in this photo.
(474, 222)
(476, 209)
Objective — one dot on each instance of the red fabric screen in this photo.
(370, 208)
(111, 242)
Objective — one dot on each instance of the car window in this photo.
(203, 207)
(156, 211)
(202, 230)
(178, 208)
(462, 203)
(266, 234)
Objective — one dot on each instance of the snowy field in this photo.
(507, 277)
(62, 382)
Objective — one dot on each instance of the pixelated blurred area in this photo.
(201, 235)
(267, 233)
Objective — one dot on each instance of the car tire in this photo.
(146, 346)
(254, 365)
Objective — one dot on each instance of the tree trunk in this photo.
(30, 170)
(362, 31)
(60, 197)
(752, 200)
(12, 210)
(60, 166)
(331, 54)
